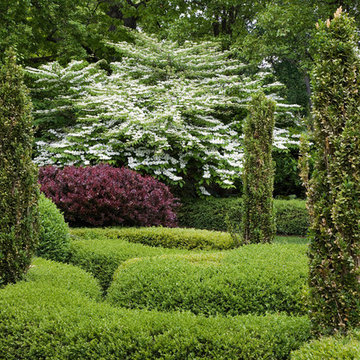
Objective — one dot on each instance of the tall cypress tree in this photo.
(258, 224)
(18, 176)
(334, 188)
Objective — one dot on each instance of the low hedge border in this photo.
(344, 348)
(253, 279)
(95, 251)
(214, 213)
(46, 322)
(191, 239)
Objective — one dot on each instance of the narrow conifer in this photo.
(334, 188)
(18, 175)
(258, 174)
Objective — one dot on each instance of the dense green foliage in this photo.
(258, 224)
(45, 322)
(100, 252)
(287, 182)
(54, 235)
(344, 348)
(334, 188)
(60, 30)
(191, 239)
(48, 273)
(291, 216)
(209, 213)
(253, 279)
(18, 183)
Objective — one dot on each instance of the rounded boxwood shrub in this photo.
(67, 277)
(44, 322)
(103, 195)
(54, 236)
(253, 279)
(344, 348)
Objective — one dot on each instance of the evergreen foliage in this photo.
(38, 321)
(18, 185)
(333, 347)
(255, 279)
(258, 177)
(101, 251)
(291, 216)
(54, 236)
(334, 188)
(170, 111)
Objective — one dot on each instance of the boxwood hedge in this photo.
(67, 277)
(191, 239)
(97, 252)
(253, 279)
(54, 236)
(290, 215)
(344, 348)
(47, 322)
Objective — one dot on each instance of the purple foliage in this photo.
(104, 195)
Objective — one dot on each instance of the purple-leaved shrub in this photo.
(104, 195)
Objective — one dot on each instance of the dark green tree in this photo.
(282, 34)
(18, 176)
(62, 30)
(334, 188)
(258, 224)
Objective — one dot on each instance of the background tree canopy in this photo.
(273, 32)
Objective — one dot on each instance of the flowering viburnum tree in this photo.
(170, 111)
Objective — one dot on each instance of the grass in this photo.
(300, 240)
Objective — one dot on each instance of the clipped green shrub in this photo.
(209, 213)
(18, 175)
(48, 323)
(340, 348)
(54, 235)
(258, 224)
(191, 239)
(253, 279)
(334, 187)
(68, 277)
(100, 254)
(291, 216)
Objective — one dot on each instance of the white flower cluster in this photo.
(166, 110)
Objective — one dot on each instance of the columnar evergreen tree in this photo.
(334, 189)
(258, 173)
(18, 176)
